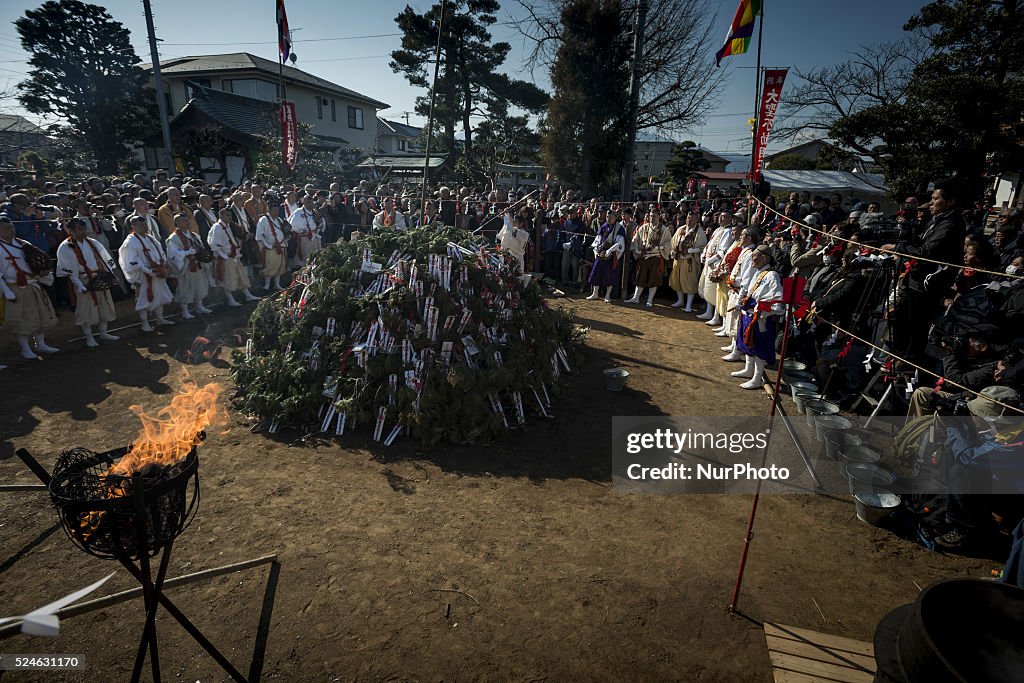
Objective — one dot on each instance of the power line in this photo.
(274, 42)
(342, 59)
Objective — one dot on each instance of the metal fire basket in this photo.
(98, 510)
(131, 519)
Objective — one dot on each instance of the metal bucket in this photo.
(790, 376)
(802, 398)
(868, 475)
(839, 440)
(615, 379)
(859, 454)
(874, 505)
(829, 422)
(819, 406)
(802, 388)
(791, 365)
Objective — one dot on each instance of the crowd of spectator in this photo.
(930, 296)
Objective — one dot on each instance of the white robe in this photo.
(378, 221)
(91, 308)
(768, 289)
(307, 229)
(151, 222)
(193, 286)
(270, 235)
(151, 291)
(230, 272)
(514, 240)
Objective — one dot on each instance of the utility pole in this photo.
(639, 25)
(161, 103)
(282, 98)
(433, 100)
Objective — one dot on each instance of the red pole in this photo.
(764, 456)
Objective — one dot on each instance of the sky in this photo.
(349, 43)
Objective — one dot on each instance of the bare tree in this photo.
(679, 81)
(875, 76)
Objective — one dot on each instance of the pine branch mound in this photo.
(369, 336)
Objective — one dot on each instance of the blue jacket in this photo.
(29, 229)
(551, 239)
(573, 232)
(1003, 459)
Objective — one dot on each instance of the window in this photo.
(251, 87)
(334, 112)
(319, 107)
(355, 118)
(170, 109)
(190, 87)
(401, 145)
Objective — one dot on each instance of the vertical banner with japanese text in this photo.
(289, 135)
(771, 93)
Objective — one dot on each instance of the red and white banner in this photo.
(289, 135)
(771, 93)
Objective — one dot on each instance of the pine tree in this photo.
(468, 73)
(85, 72)
(585, 128)
(686, 160)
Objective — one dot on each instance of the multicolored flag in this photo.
(284, 38)
(737, 41)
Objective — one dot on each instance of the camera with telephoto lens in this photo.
(955, 344)
(879, 233)
(952, 405)
(47, 212)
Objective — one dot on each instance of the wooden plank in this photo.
(783, 676)
(820, 653)
(826, 672)
(824, 639)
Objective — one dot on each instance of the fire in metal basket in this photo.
(99, 508)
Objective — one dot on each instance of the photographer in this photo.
(32, 223)
(578, 253)
(941, 241)
(985, 451)
(970, 361)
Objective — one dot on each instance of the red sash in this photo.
(89, 273)
(22, 276)
(187, 243)
(152, 265)
(234, 250)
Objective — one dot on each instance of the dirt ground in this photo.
(559, 577)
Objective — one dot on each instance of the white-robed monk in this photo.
(27, 309)
(80, 259)
(390, 218)
(228, 252)
(514, 237)
(273, 246)
(183, 247)
(145, 265)
(307, 227)
(93, 225)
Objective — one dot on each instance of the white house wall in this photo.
(305, 106)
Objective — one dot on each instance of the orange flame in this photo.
(167, 437)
